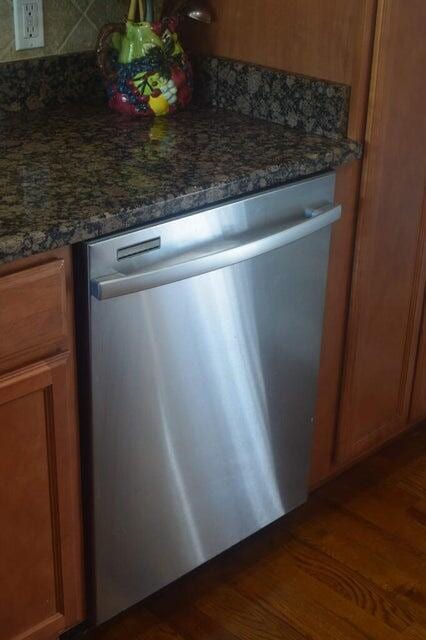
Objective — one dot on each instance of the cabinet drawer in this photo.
(32, 314)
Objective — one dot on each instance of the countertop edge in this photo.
(54, 237)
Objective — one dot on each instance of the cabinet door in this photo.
(40, 563)
(383, 321)
(418, 403)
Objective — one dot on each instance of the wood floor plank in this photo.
(247, 619)
(311, 606)
(293, 599)
(391, 510)
(350, 584)
(414, 633)
(195, 625)
(385, 505)
(418, 513)
(382, 564)
(161, 632)
(375, 539)
(362, 548)
(413, 480)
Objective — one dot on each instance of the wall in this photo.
(70, 26)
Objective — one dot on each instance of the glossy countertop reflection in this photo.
(78, 172)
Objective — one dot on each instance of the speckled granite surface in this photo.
(72, 174)
(29, 85)
(302, 103)
(298, 102)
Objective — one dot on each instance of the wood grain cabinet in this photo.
(41, 591)
(418, 401)
(388, 281)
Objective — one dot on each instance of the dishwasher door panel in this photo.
(203, 394)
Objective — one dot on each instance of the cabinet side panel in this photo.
(385, 287)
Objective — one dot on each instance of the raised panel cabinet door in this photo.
(418, 402)
(384, 315)
(39, 505)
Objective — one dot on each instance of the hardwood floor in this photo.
(349, 565)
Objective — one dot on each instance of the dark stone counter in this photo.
(78, 172)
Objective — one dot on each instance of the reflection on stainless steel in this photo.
(203, 389)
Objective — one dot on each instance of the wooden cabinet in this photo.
(418, 401)
(386, 293)
(41, 570)
(33, 316)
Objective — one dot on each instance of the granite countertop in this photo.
(76, 173)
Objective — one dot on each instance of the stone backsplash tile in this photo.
(69, 26)
(30, 85)
(299, 102)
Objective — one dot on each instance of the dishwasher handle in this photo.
(119, 284)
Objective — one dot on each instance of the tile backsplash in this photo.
(69, 26)
(307, 104)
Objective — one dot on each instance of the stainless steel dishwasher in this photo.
(204, 342)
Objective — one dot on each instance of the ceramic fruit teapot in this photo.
(146, 71)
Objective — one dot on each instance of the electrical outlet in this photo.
(29, 26)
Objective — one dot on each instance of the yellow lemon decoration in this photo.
(159, 105)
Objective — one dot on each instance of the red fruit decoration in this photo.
(120, 102)
(157, 28)
(149, 73)
(184, 95)
(178, 76)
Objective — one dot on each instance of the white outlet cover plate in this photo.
(29, 24)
